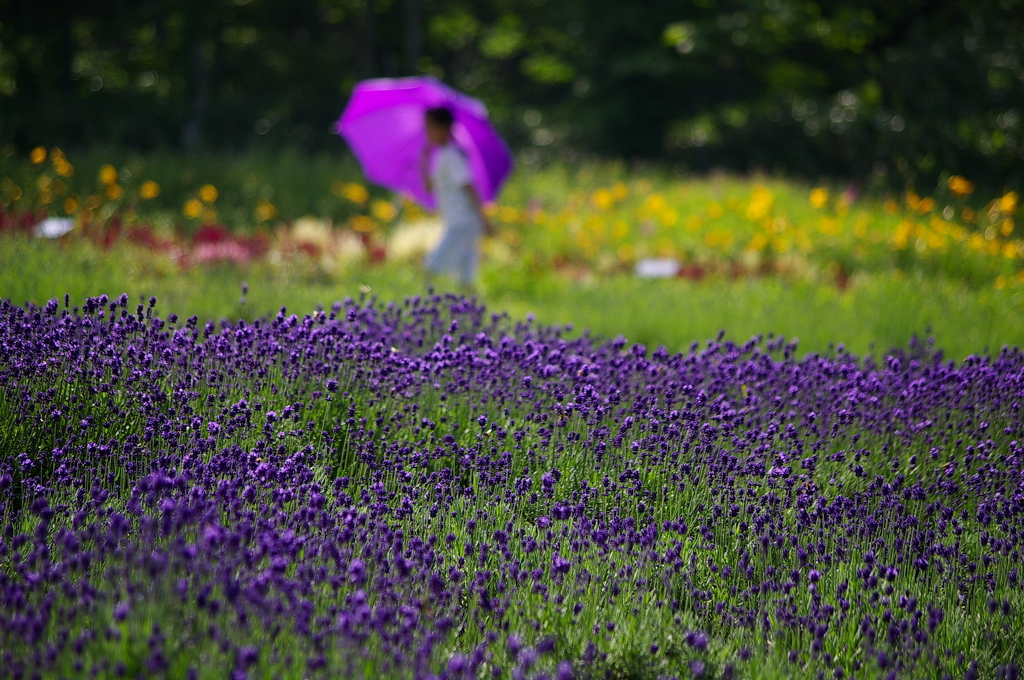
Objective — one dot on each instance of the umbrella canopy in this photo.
(385, 128)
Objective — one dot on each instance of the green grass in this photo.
(876, 313)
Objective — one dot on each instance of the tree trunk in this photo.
(193, 131)
(368, 56)
(412, 36)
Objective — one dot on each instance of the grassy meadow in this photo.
(872, 315)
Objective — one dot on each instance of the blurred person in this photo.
(450, 180)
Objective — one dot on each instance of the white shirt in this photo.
(450, 177)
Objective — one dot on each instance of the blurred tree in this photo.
(886, 93)
(412, 36)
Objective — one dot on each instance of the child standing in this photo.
(450, 180)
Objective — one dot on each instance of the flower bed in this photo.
(426, 488)
(594, 220)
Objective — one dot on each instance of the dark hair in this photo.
(440, 115)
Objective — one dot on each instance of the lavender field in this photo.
(428, 489)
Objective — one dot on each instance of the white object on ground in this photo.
(657, 268)
(53, 227)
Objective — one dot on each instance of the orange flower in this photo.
(361, 223)
(193, 208)
(108, 174)
(353, 192)
(383, 210)
(208, 193)
(149, 189)
(61, 165)
(1008, 203)
(265, 211)
(960, 186)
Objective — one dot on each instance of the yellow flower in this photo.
(761, 202)
(969, 214)
(1008, 203)
(108, 174)
(193, 208)
(670, 217)
(38, 155)
(602, 199)
(925, 205)
(383, 210)
(620, 191)
(1010, 251)
(1006, 228)
(960, 186)
(921, 205)
(355, 193)
(208, 193)
(114, 192)
(819, 197)
(413, 212)
(361, 223)
(63, 168)
(758, 243)
(508, 214)
(892, 207)
(149, 189)
(70, 205)
(901, 237)
(655, 203)
(264, 211)
(715, 211)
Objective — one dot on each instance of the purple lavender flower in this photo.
(479, 479)
(697, 640)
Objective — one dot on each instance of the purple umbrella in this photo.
(384, 126)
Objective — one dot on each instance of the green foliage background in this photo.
(884, 93)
